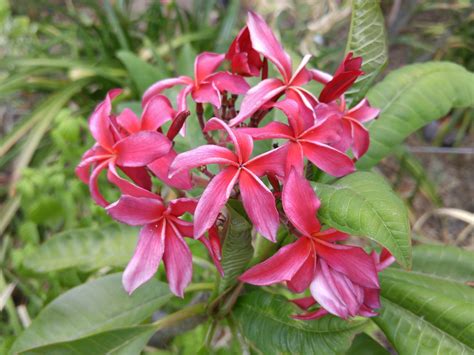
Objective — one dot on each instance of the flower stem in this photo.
(185, 313)
(200, 115)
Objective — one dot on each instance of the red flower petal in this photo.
(328, 159)
(203, 155)
(256, 97)
(162, 85)
(272, 161)
(281, 266)
(232, 83)
(141, 148)
(147, 257)
(136, 211)
(99, 122)
(205, 64)
(161, 168)
(300, 203)
(157, 111)
(259, 204)
(265, 42)
(128, 121)
(213, 199)
(178, 261)
(207, 93)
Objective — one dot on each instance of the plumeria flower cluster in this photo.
(319, 130)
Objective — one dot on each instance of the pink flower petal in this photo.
(141, 148)
(304, 276)
(320, 76)
(207, 93)
(304, 303)
(265, 42)
(180, 206)
(232, 83)
(291, 109)
(256, 97)
(93, 184)
(139, 176)
(178, 261)
(300, 203)
(182, 103)
(317, 314)
(203, 155)
(360, 139)
(92, 156)
(363, 112)
(328, 159)
(301, 75)
(243, 143)
(213, 246)
(136, 211)
(147, 257)
(161, 168)
(160, 86)
(125, 186)
(351, 261)
(99, 122)
(205, 64)
(273, 130)
(128, 121)
(213, 200)
(326, 132)
(306, 116)
(259, 204)
(294, 158)
(280, 267)
(157, 111)
(272, 161)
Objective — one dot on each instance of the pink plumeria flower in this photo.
(115, 147)
(346, 74)
(157, 112)
(371, 298)
(206, 87)
(315, 142)
(161, 237)
(337, 275)
(244, 59)
(265, 42)
(257, 199)
(353, 134)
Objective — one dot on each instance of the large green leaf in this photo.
(429, 313)
(126, 341)
(142, 73)
(410, 98)
(94, 307)
(364, 345)
(367, 39)
(363, 204)
(265, 320)
(86, 248)
(237, 249)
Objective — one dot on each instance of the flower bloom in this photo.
(244, 59)
(161, 237)
(257, 199)
(338, 276)
(206, 85)
(264, 41)
(313, 142)
(116, 147)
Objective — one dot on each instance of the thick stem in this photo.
(265, 69)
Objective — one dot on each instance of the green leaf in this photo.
(429, 310)
(227, 26)
(237, 249)
(367, 39)
(86, 248)
(185, 65)
(265, 320)
(143, 74)
(364, 344)
(410, 98)
(363, 204)
(94, 307)
(126, 341)
(451, 263)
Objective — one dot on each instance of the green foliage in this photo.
(237, 249)
(367, 39)
(363, 204)
(364, 344)
(411, 97)
(86, 248)
(432, 305)
(94, 307)
(265, 320)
